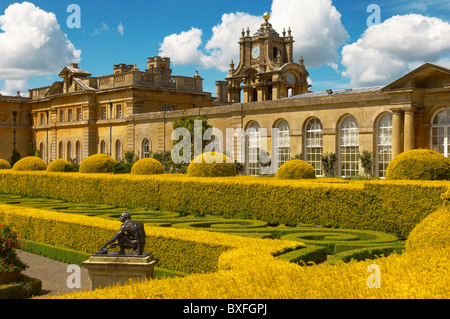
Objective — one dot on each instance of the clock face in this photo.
(290, 78)
(255, 52)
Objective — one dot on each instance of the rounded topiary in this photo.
(99, 163)
(30, 163)
(419, 165)
(211, 164)
(58, 165)
(147, 166)
(4, 164)
(432, 232)
(296, 169)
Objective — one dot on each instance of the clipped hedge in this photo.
(147, 166)
(296, 169)
(419, 164)
(211, 164)
(98, 163)
(181, 250)
(394, 207)
(30, 163)
(58, 165)
(4, 164)
(432, 232)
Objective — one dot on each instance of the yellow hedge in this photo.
(182, 250)
(211, 164)
(30, 163)
(147, 166)
(432, 232)
(57, 165)
(419, 164)
(4, 164)
(98, 163)
(296, 169)
(394, 207)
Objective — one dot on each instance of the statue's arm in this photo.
(115, 237)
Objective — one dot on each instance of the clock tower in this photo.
(266, 69)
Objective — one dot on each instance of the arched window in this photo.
(78, 152)
(384, 144)
(61, 150)
(314, 145)
(118, 150)
(349, 147)
(146, 148)
(102, 147)
(69, 151)
(440, 133)
(254, 144)
(283, 142)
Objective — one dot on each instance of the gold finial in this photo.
(266, 16)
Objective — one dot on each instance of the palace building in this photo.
(133, 110)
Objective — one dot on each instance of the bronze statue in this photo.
(131, 236)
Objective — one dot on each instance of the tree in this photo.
(366, 159)
(328, 162)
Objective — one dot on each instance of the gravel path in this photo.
(52, 273)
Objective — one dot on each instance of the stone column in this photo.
(396, 132)
(409, 129)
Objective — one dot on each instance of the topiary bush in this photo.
(4, 164)
(432, 232)
(296, 169)
(212, 164)
(98, 163)
(147, 166)
(419, 165)
(30, 163)
(58, 165)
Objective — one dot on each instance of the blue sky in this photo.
(348, 54)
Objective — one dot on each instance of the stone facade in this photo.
(134, 110)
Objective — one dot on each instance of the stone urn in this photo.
(8, 277)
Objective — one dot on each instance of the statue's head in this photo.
(125, 216)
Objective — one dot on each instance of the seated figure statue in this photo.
(131, 235)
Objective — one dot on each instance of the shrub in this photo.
(30, 163)
(296, 169)
(432, 232)
(419, 165)
(328, 163)
(72, 168)
(212, 164)
(147, 166)
(58, 165)
(122, 168)
(4, 164)
(99, 163)
(9, 261)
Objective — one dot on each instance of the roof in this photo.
(337, 92)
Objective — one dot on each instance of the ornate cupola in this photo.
(266, 69)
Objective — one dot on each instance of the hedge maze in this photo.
(322, 244)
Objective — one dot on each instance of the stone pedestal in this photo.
(110, 269)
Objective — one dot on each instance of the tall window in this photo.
(349, 147)
(119, 111)
(384, 144)
(440, 133)
(103, 113)
(254, 144)
(79, 114)
(61, 150)
(102, 147)
(78, 152)
(69, 151)
(146, 148)
(118, 150)
(70, 115)
(314, 145)
(283, 146)
(61, 115)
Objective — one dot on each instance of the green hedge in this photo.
(389, 206)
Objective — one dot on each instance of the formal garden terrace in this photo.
(240, 236)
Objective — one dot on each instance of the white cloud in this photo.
(120, 28)
(31, 43)
(316, 27)
(394, 47)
